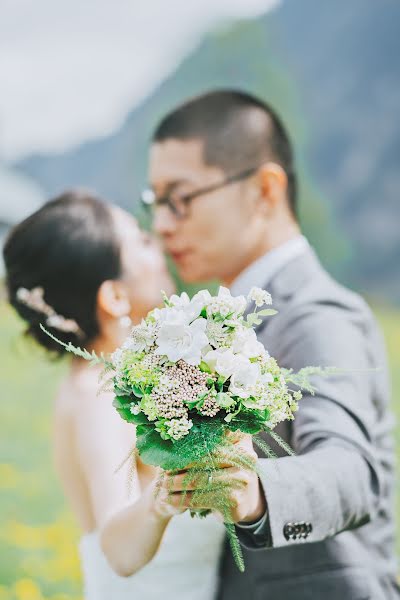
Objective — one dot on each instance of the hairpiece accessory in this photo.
(34, 299)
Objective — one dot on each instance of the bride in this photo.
(85, 270)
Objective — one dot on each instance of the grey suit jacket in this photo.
(330, 527)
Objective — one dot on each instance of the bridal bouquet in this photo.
(193, 371)
(192, 377)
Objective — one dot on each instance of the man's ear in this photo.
(273, 183)
(113, 299)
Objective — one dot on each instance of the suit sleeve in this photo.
(332, 484)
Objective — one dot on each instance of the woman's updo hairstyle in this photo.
(66, 249)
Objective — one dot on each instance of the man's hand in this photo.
(242, 489)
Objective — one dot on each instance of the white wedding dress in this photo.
(185, 566)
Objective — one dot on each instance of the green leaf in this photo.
(204, 367)
(248, 421)
(224, 400)
(126, 415)
(165, 298)
(267, 312)
(203, 438)
(246, 426)
(253, 319)
(121, 402)
(137, 391)
(218, 318)
(153, 450)
(139, 419)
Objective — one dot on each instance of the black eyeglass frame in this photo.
(149, 199)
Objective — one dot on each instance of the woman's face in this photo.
(145, 272)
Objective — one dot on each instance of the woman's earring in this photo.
(125, 321)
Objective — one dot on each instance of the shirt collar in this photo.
(262, 270)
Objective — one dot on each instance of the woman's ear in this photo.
(113, 300)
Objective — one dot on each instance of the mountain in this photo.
(331, 71)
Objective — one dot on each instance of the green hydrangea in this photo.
(148, 407)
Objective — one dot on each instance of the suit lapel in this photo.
(289, 280)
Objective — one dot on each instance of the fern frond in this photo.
(235, 546)
(91, 357)
(106, 386)
(264, 447)
(281, 442)
(302, 377)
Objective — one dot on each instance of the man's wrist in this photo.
(259, 510)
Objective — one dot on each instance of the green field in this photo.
(38, 536)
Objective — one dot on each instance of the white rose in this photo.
(177, 339)
(244, 378)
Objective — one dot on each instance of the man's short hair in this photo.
(239, 131)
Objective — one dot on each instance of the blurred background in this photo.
(81, 87)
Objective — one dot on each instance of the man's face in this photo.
(215, 239)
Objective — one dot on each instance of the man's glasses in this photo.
(178, 204)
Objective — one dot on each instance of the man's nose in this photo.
(164, 222)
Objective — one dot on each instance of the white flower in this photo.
(226, 304)
(159, 314)
(222, 361)
(178, 428)
(193, 307)
(244, 378)
(245, 342)
(259, 296)
(141, 338)
(117, 358)
(218, 334)
(135, 409)
(203, 296)
(266, 378)
(177, 339)
(180, 301)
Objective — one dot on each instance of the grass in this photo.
(38, 538)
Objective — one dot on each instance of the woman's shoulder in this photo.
(79, 388)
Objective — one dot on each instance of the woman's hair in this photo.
(60, 256)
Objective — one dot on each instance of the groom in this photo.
(224, 200)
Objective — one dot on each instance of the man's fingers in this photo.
(211, 480)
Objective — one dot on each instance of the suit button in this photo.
(297, 530)
(289, 531)
(303, 529)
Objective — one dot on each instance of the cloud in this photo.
(72, 70)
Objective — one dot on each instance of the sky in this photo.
(71, 70)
